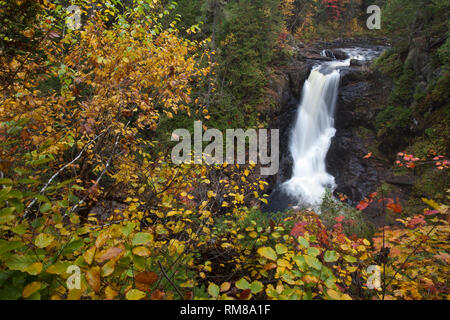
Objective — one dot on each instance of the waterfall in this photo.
(312, 134)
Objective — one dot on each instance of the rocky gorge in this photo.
(362, 92)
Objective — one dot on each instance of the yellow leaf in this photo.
(74, 294)
(88, 256)
(268, 253)
(101, 239)
(34, 269)
(110, 294)
(334, 294)
(108, 268)
(225, 286)
(31, 288)
(43, 240)
(281, 248)
(141, 251)
(135, 294)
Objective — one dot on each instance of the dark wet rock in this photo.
(356, 62)
(329, 53)
(355, 177)
(279, 201)
(358, 100)
(287, 86)
(401, 180)
(339, 54)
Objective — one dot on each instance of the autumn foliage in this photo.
(86, 186)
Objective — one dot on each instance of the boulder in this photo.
(339, 54)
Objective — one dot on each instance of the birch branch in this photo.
(45, 187)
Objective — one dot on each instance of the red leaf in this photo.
(244, 295)
(363, 204)
(298, 229)
(397, 208)
(416, 221)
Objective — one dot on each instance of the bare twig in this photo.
(170, 281)
(45, 187)
(108, 163)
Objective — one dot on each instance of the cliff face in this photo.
(361, 93)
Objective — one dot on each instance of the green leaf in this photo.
(268, 253)
(242, 284)
(313, 262)
(141, 238)
(350, 259)
(281, 248)
(330, 256)
(27, 181)
(20, 229)
(6, 181)
(45, 207)
(213, 290)
(303, 242)
(20, 263)
(43, 240)
(4, 192)
(300, 261)
(59, 267)
(256, 287)
(126, 229)
(6, 246)
(72, 246)
(5, 219)
(15, 194)
(313, 251)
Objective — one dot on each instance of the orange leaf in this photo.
(93, 278)
(146, 277)
(157, 295)
(107, 254)
(363, 204)
(397, 208)
(368, 155)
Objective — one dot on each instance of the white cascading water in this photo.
(312, 134)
